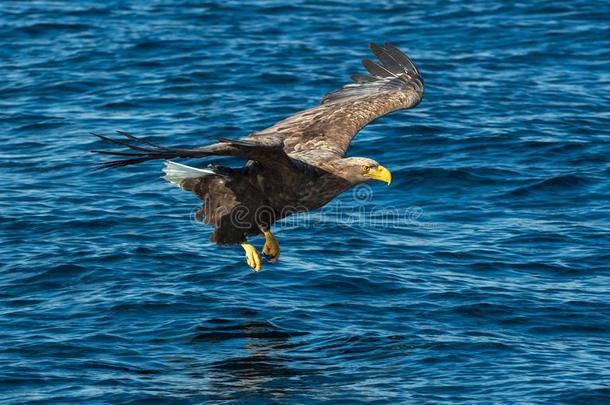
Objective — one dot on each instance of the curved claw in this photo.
(252, 257)
(271, 250)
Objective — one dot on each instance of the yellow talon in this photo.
(252, 257)
(271, 250)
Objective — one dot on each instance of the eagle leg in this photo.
(252, 257)
(271, 250)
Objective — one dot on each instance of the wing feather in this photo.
(268, 150)
(401, 58)
(387, 59)
(375, 69)
(357, 78)
(327, 130)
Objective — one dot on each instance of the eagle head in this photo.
(358, 170)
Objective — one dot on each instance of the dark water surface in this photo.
(490, 284)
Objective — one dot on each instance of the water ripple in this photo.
(493, 287)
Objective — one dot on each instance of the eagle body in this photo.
(239, 203)
(296, 165)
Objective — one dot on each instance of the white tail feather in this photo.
(176, 172)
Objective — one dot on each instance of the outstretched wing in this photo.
(321, 132)
(268, 151)
(393, 84)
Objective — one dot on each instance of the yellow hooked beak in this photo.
(380, 173)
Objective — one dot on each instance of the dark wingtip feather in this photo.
(400, 57)
(112, 164)
(375, 69)
(130, 145)
(117, 153)
(135, 138)
(137, 155)
(386, 58)
(102, 137)
(237, 142)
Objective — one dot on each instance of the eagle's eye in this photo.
(366, 168)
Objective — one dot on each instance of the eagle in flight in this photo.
(297, 165)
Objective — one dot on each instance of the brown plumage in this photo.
(296, 165)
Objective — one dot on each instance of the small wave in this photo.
(226, 330)
(39, 126)
(119, 105)
(484, 310)
(49, 28)
(571, 330)
(277, 78)
(56, 275)
(89, 12)
(339, 283)
(454, 178)
(557, 184)
(584, 395)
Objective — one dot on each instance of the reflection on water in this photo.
(260, 366)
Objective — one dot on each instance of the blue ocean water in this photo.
(480, 275)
